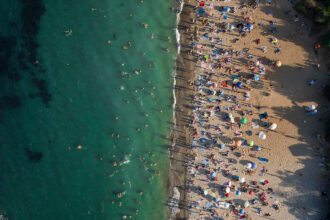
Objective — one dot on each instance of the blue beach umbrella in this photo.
(227, 9)
(201, 11)
(222, 146)
(213, 174)
(256, 77)
(224, 17)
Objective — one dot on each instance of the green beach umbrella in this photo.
(243, 121)
(251, 143)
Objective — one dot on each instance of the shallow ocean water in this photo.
(73, 134)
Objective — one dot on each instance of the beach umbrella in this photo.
(238, 193)
(254, 165)
(224, 16)
(243, 121)
(246, 204)
(201, 4)
(227, 195)
(231, 27)
(241, 211)
(239, 84)
(227, 190)
(251, 193)
(213, 174)
(226, 205)
(238, 143)
(250, 26)
(310, 108)
(222, 146)
(273, 126)
(205, 192)
(258, 148)
(242, 180)
(256, 77)
(227, 9)
(262, 135)
(248, 166)
(251, 143)
(278, 63)
(201, 11)
(261, 180)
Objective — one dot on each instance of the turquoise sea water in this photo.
(73, 133)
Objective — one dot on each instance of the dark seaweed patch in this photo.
(7, 46)
(43, 93)
(34, 156)
(31, 14)
(10, 102)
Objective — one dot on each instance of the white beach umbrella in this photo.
(262, 135)
(273, 126)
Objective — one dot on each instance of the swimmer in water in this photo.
(145, 25)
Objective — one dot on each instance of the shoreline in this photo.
(180, 138)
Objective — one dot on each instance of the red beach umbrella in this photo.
(201, 4)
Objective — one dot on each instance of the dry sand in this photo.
(293, 150)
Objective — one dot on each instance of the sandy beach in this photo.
(244, 146)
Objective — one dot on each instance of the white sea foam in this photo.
(177, 33)
(174, 204)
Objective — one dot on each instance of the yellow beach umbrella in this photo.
(278, 63)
